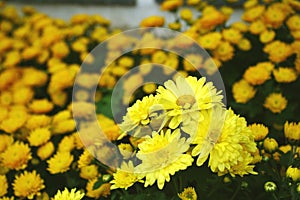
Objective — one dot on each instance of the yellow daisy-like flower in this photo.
(28, 184)
(85, 159)
(257, 27)
(244, 44)
(41, 106)
(68, 195)
(278, 51)
(67, 144)
(253, 13)
(243, 91)
(294, 22)
(224, 51)
(60, 162)
(275, 102)
(4, 185)
(258, 74)
(259, 131)
(292, 131)
(162, 155)
(5, 141)
(153, 21)
(210, 40)
(226, 139)
(273, 17)
(124, 177)
(16, 156)
(232, 35)
(89, 172)
(103, 190)
(285, 75)
(184, 98)
(293, 173)
(270, 144)
(39, 136)
(37, 121)
(188, 193)
(267, 36)
(46, 150)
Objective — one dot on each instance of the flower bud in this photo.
(270, 186)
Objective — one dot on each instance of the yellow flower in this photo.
(68, 195)
(60, 162)
(64, 126)
(257, 27)
(253, 13)
(30, 52)
(275, 102)
(12, 58)
(186, 14)
(259, 131)
(258, 74)
(270, 144)
(162, 155)
(126, 61)
(193, 2)
(211, 18)
(28, 184)
(292, 131)
(210, 40)
(4, 185)
(60, 50)
(159, 57)
(285, 75)
(39, 136)
(149, 88)
(273, 17)
(40, 106)
(188, 193)
(5, 141)
(294, 22)
(16, 156)
(224, 51)
(153, 21)
(124, 177)
(67, 144)
(267, 36)
(192, 62)
(22, 95)
(45, 151)
(89, 172)
(171, 5)
(232, 35)
(34, 77)
(222, 129)
(240, 26)
(294, 3)
(174, 26)
(243, 91)
(85, 159)
(293, 173)
(278, 51)
(244, 44)
(37, 121)
(102, 191)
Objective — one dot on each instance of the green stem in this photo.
(235, 193)
(274, 196)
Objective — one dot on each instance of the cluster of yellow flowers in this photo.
(184, 119)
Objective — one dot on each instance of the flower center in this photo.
(186, 101)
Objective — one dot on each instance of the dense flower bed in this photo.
(178, 140)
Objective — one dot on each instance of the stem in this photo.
(235, 192)
(274, 196)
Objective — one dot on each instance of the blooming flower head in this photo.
(292, 131)
(243, 91)
(293, 173)
(270, 144)
(188, 193)
(60, 162)
(258, 74)
(16, 156)
(224, 51)
(278, 51)
(259, 131)
(103, 190)
(39, 136)
(45, 151)
(232, 35)
(210, 40)
(285, 75)
(253, 13)
(68, 195)
(5, 141)
(171, 5)
(4, 185)
(275, 102)
(28, 184)
(153, 21)
(162, 155)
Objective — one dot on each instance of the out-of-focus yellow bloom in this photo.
(293, 173)
(30, 52)
(34, 77)
(253, 13)
(39, 136)
(267, 36)
(102, 191)
(175, 26)
(211, 18)
(60, 162)
(45, 151)
(16, 156)
(275, 102)
(242, 27)
(224, 51)
(244, 44)
(68, 195)
(257, 27)
(258, 74)
(4, 185)
(285, 75)
(126, 61)
(171, 5)
(270, 144)
(278, 51)
(210, 40)
(40, 106)
(28, 184)
(5, 141)
(259, 131)
(23, 95)
(188, 193)
(273, 17)
(80, 18)
(192, 62)
(37, 121)
(186, 14)
(64, 126)
(85, 159)
(193, 2)
(149, 88)
(89, 172)
(153, 21)
(60, 50)
(232, 35)
(126, 150)
(66, 144)
(294, 22)
(12, 58)
(292, 131)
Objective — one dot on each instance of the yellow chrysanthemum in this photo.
(184, 98)
(16, 156)
(253, 13)
(124, 177)
(186, 14)
(275, 102)
(153, 21)
(89, 172)
(60, 162)
(258, 74)
(278, 51)
(257, 27)
(270, 144)
(232, 35)
(273, 17)
(85, 159)
(242, 91)
(4, 185)
(37, 121)
(226, 139)
(292, 131)
(5, 141)
(41, 106)
(171, 5)
(244, 44)
(293, 173)
(294, 22)
(259, 131)
(68, 195)
(39, 136)
(28, 184)
(67, 144)
(210, 40)
(162, 155)
(188, 193)
(224, 51)
(285, 75)
(46, 150)
(267, 36)
(102, 191)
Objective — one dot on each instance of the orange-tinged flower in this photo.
(102, 191)
(275, 102)
(285, 75)
(171, 5)
(16, 156)
(258, 74)
(153, 21)
(253, 13)
(232, 35)
(28, 184)
(210, 40)
(273, 17)
(267, 36)
(294, 22)
(278, 51)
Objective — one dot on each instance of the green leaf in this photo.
(98, 183)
